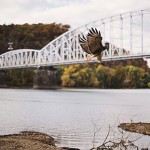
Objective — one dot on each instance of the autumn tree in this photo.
(26, 36)
(118, 77)
(67, 78)
(134, 74)
(103, 75)
(79, 76)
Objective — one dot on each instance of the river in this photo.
(72, 116)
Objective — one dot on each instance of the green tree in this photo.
(134, 74)
(20, 77)
(104, 76)
(145, 80)
(119, 77)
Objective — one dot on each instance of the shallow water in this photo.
(72, 115)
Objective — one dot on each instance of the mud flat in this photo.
(27, 140)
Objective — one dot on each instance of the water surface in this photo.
(72, 115)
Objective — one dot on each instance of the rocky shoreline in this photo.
(139, 127)
(29, 140)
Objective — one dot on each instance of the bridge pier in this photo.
(3, 79)
(45, 78)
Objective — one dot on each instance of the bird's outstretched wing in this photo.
(92, 43)
(84, 44)
(95, 40)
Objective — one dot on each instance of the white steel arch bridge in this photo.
(128, 35)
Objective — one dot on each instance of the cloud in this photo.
(72, 12)
(64, 2)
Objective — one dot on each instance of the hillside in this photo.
(34, 36)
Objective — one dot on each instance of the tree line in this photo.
(81, 76)
(100, 76)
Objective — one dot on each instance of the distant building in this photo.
(10, 48)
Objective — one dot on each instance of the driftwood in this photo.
(121, 143)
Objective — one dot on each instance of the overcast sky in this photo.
(73, 12)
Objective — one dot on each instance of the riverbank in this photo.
(27, 140)
(140, 127)
(31, 140)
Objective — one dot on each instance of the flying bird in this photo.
(92, 44)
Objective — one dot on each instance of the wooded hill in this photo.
(34, 36)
